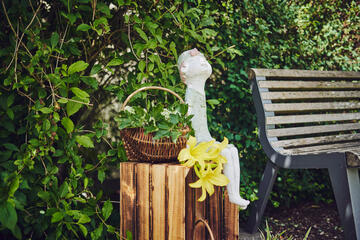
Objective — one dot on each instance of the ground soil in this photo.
(295, 221)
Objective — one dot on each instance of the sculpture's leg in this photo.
(232, 172)
(258, 208)
(346, 187)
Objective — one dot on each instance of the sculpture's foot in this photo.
(236, 199)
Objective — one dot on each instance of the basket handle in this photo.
(207, 227)
(147, 88)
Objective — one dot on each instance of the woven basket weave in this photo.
(141, 147)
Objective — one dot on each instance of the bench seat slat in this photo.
(309, 95)
(316, 140)
(308, 118)
(295, 131)
(338, 147)
(308, 84)
(298, 107)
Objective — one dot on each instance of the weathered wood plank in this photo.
(190, 201)
(143, 201)
(158, 174)
(127, 198)
(328, 148)
(292, 73)
(300, 107)
(310, 95)
(294, 131)
(308, 118)
(200, 212)
(352, 158)
(308, 84)
(176, 201)
(231, 219)
(315, 140)
(215, 207)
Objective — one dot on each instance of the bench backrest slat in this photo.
(281, 84)
(314, 106)
(305, 109)
(296, 131)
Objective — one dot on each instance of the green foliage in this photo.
(163, 122)
(63, 62)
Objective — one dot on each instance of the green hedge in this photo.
(62, 62)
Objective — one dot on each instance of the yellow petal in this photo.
(209, 187)
(223, 144)
(219, 180)
(196, 184)
(202, 147)
(184, 155)
(203, 195)
(191, 142)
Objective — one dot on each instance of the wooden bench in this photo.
(310, 119)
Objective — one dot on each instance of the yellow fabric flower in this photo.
(207, 161)
(207, 179)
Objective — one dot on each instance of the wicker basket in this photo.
(141, 147)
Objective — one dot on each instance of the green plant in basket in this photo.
(164, 122)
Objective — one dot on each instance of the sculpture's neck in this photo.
(197, 84)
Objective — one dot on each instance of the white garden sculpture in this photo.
(194, 71)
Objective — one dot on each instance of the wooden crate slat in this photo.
(317, 106)
(309, 95)
(143, 201)
(215, 212)
(231, 219)
(295, 131)
(200, 212)
(284, 84)
(312, 118)
(127, 198)
(190, 200)
(158, 176)
(176, 201)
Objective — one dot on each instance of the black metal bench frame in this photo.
(342, 170)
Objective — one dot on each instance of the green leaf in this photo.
(10, 113)
(54, 39)
(95, 69)
(83, 230)
(63, 100)
(142, 65)
(10, 100)
(44, 195)
(96, 234)
(115, 62)
(73, 107)
(11, 147)
(84, 141)
(68, 124)
(142, 34)
(91, 81)
(83, 27)
(84, 219)
(107, 209)
(56, 217)
(80, 93)
(64, 189)
(14, 186)
(46, 110)
(8, 216)
(77, 67)
(101, 175)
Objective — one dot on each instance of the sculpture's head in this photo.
(193, 65)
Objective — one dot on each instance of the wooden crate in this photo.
(157, 203)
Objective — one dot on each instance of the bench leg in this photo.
(346, 187)
(258, 208)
